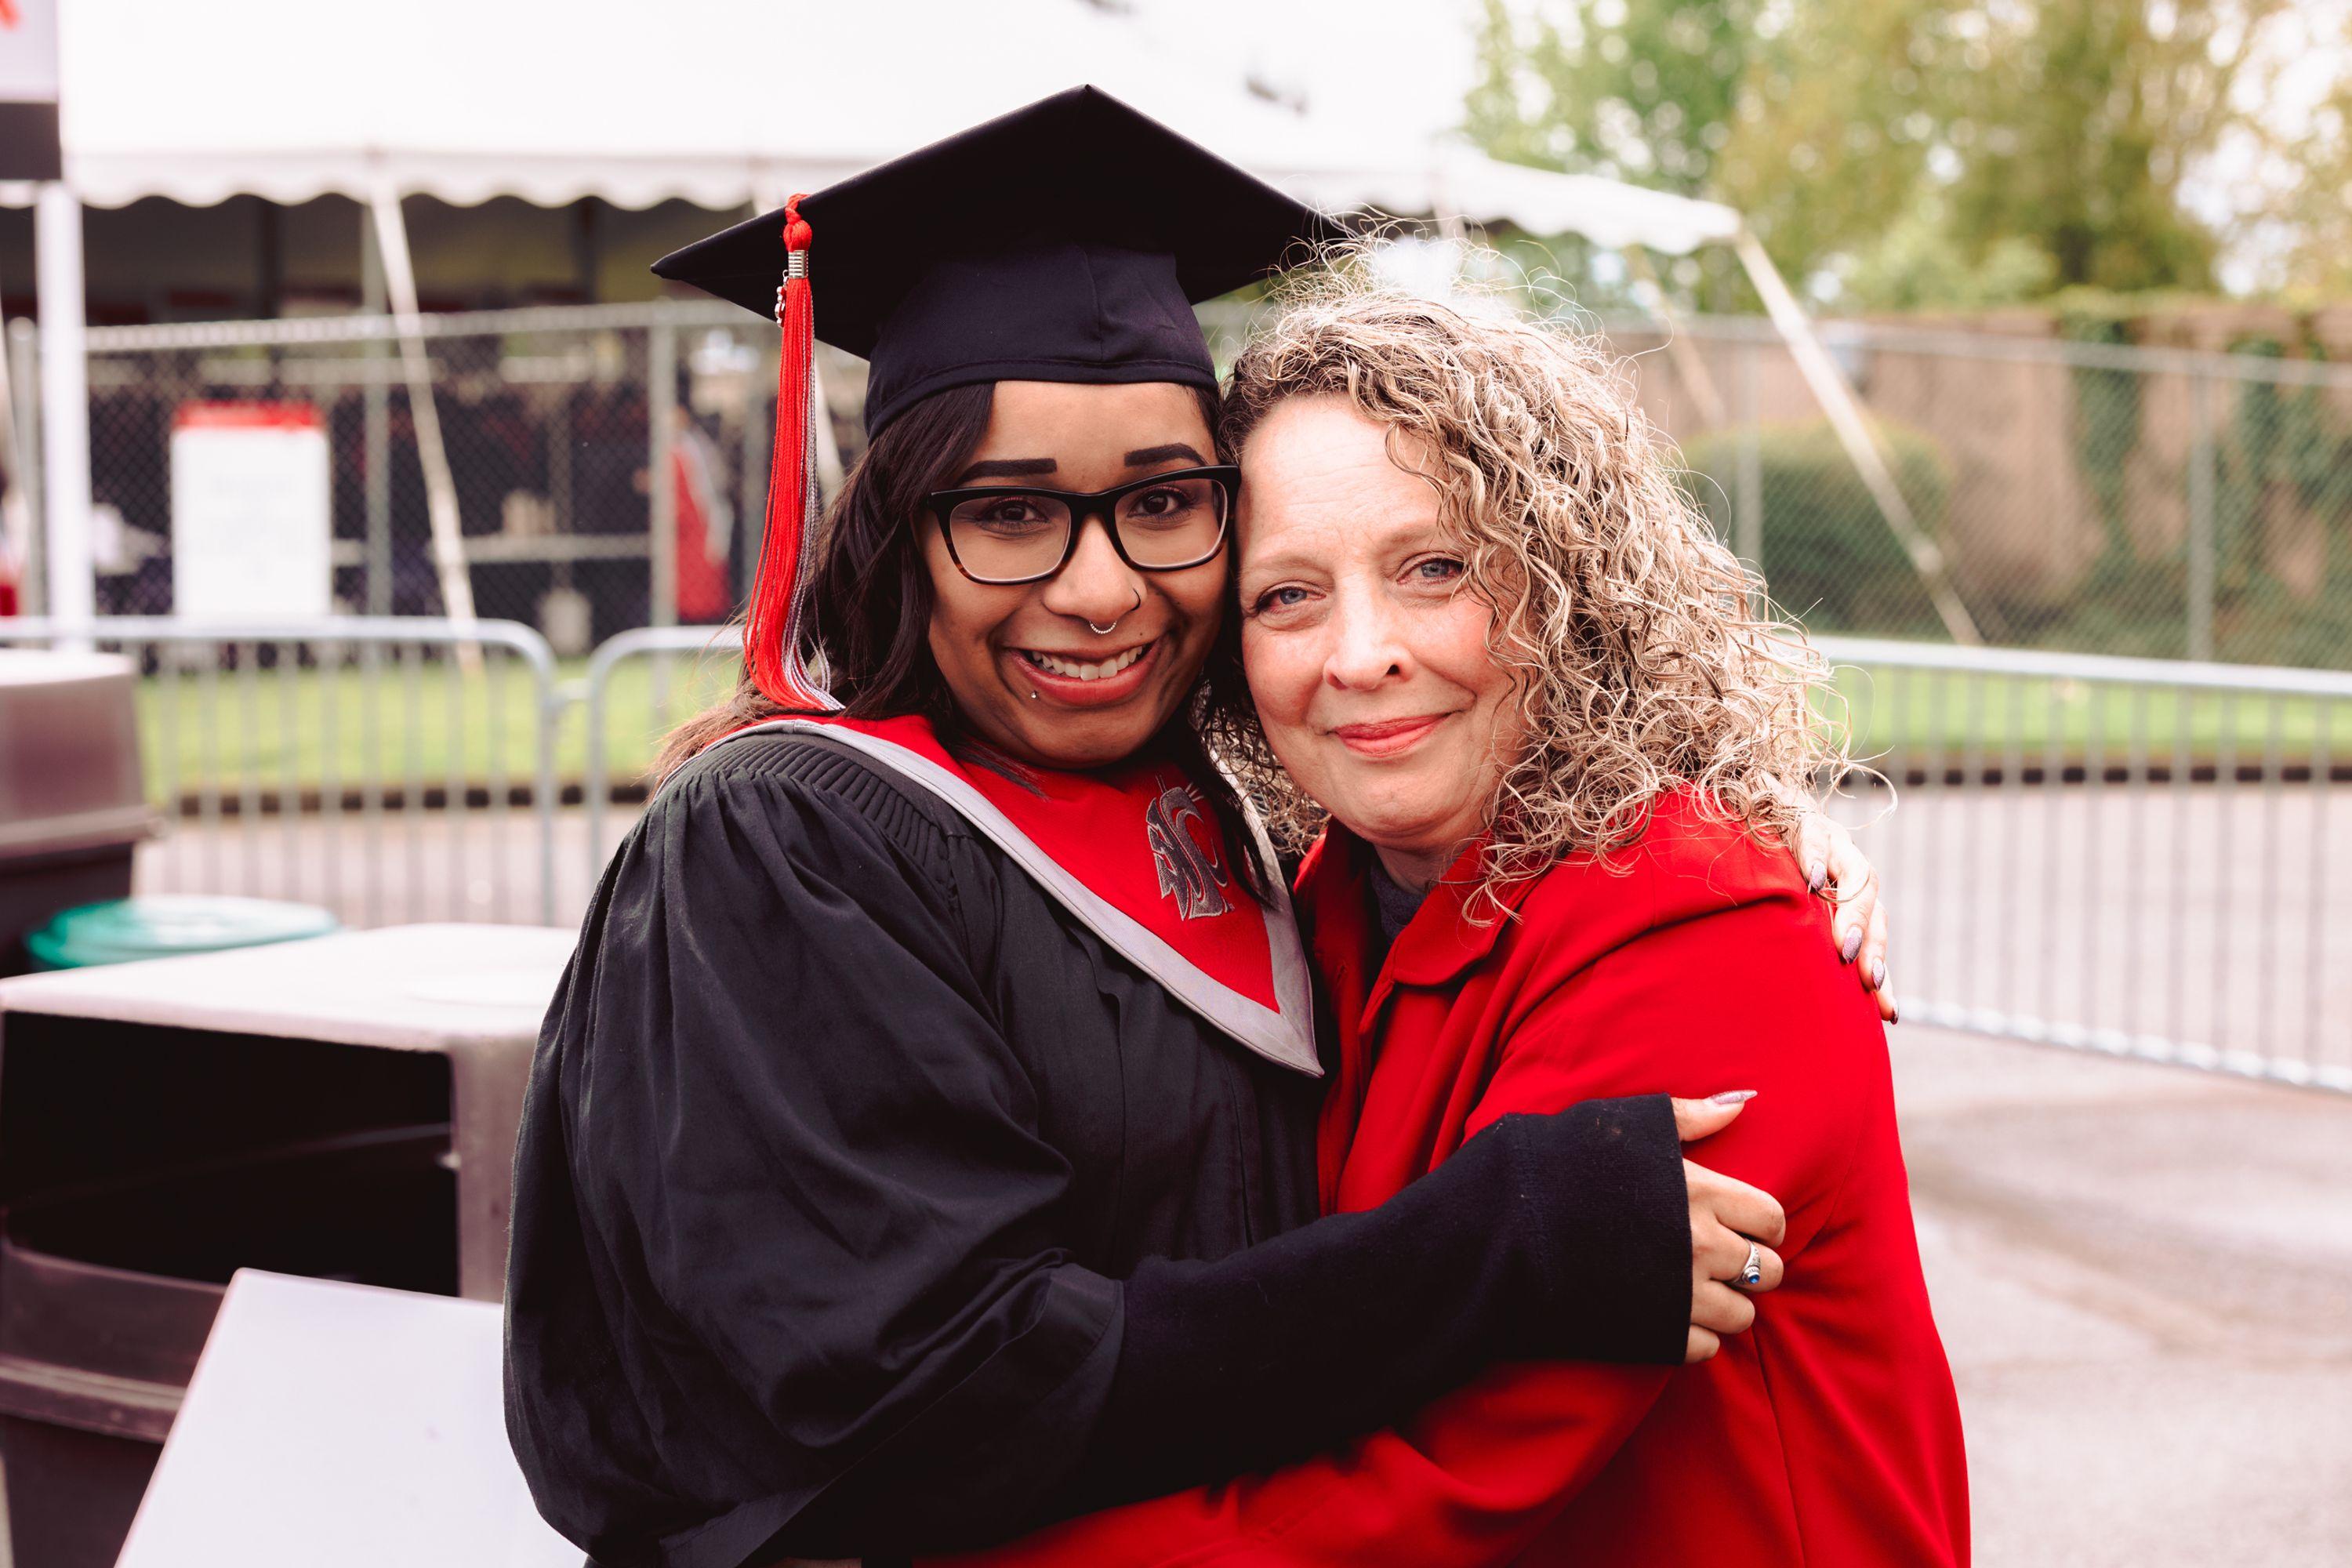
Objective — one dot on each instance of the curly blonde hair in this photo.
(1638, 659)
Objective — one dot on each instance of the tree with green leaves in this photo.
(1917, 152)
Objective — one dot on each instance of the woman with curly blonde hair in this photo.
(1488, 639)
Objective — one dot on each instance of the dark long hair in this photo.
(870, 606)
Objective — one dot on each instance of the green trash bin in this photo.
(122, 930)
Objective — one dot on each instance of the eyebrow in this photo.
(1161, 454)
(1009, 468)
(1030, 468)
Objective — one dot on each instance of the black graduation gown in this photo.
(864, 1200)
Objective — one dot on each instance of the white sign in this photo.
(251, 512)
(343, 1424)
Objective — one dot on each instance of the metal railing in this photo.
(664, 702)
(2124, 856)
(375, 766)
(2127, 855)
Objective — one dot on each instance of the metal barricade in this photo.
(2127, 855)
(616, 736)
(373, 765)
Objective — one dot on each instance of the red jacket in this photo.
(1828, 1435)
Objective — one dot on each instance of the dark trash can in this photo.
(72, 806)
(342, 1108)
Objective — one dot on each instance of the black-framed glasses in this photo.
(1001, 534)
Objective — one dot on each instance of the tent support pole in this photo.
(1852, 429)
(440, 489)
(1689, 362)
(72, 569)
(16, 547)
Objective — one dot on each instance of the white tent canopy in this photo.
(719, 103)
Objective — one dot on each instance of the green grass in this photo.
(268, 729)
(1909, 715)
(274, 730)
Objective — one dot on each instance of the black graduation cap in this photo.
(1066, 241)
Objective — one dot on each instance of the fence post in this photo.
(25, 404)
(2199, 540)
(375, 431)
(1748, 504)
(661, 403)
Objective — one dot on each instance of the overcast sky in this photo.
(1403, 63)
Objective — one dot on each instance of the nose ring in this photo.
(1106, 631)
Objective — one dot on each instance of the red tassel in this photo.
(773, 630)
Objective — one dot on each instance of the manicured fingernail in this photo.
(1732, 1097)
(1851, 946)
(1878, 974)
(1815, 875)
(1894, 1013)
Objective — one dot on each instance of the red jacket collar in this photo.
(1437, 946)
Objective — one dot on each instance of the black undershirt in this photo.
(1393, 904)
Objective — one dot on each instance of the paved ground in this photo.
(2144, 1279)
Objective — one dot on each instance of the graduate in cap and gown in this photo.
(922, 1144)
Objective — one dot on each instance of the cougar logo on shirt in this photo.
(1188, 872)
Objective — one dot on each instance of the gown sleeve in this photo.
(785, 1271)
(1471, 1479)
(782, 1211)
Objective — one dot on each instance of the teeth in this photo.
(1074, 669)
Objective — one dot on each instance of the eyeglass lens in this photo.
(1014, 535)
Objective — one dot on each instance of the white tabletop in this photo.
(419, 987)
(343, 1424)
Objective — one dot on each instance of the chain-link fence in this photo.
(554, 425)
(2089, 498)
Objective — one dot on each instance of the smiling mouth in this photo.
(1387, 737)
(1081, 669)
